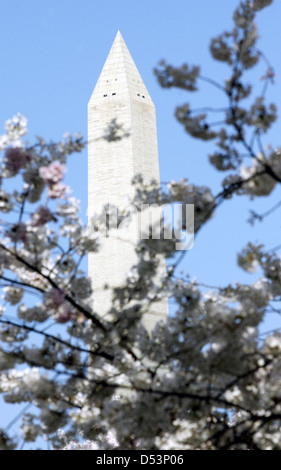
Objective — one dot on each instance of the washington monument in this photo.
(120, 98)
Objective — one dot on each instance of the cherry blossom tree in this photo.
(202, 379)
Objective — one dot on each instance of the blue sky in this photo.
(52, 53)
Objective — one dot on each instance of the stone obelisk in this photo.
(119, 98)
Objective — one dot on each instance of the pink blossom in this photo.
(17, 232)
(57, 190)
(42, 216)
(65, 314)
(63, 317)
(55, 297)
(53, 173)
(16, 159)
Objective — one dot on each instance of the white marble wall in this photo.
(112, 165)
